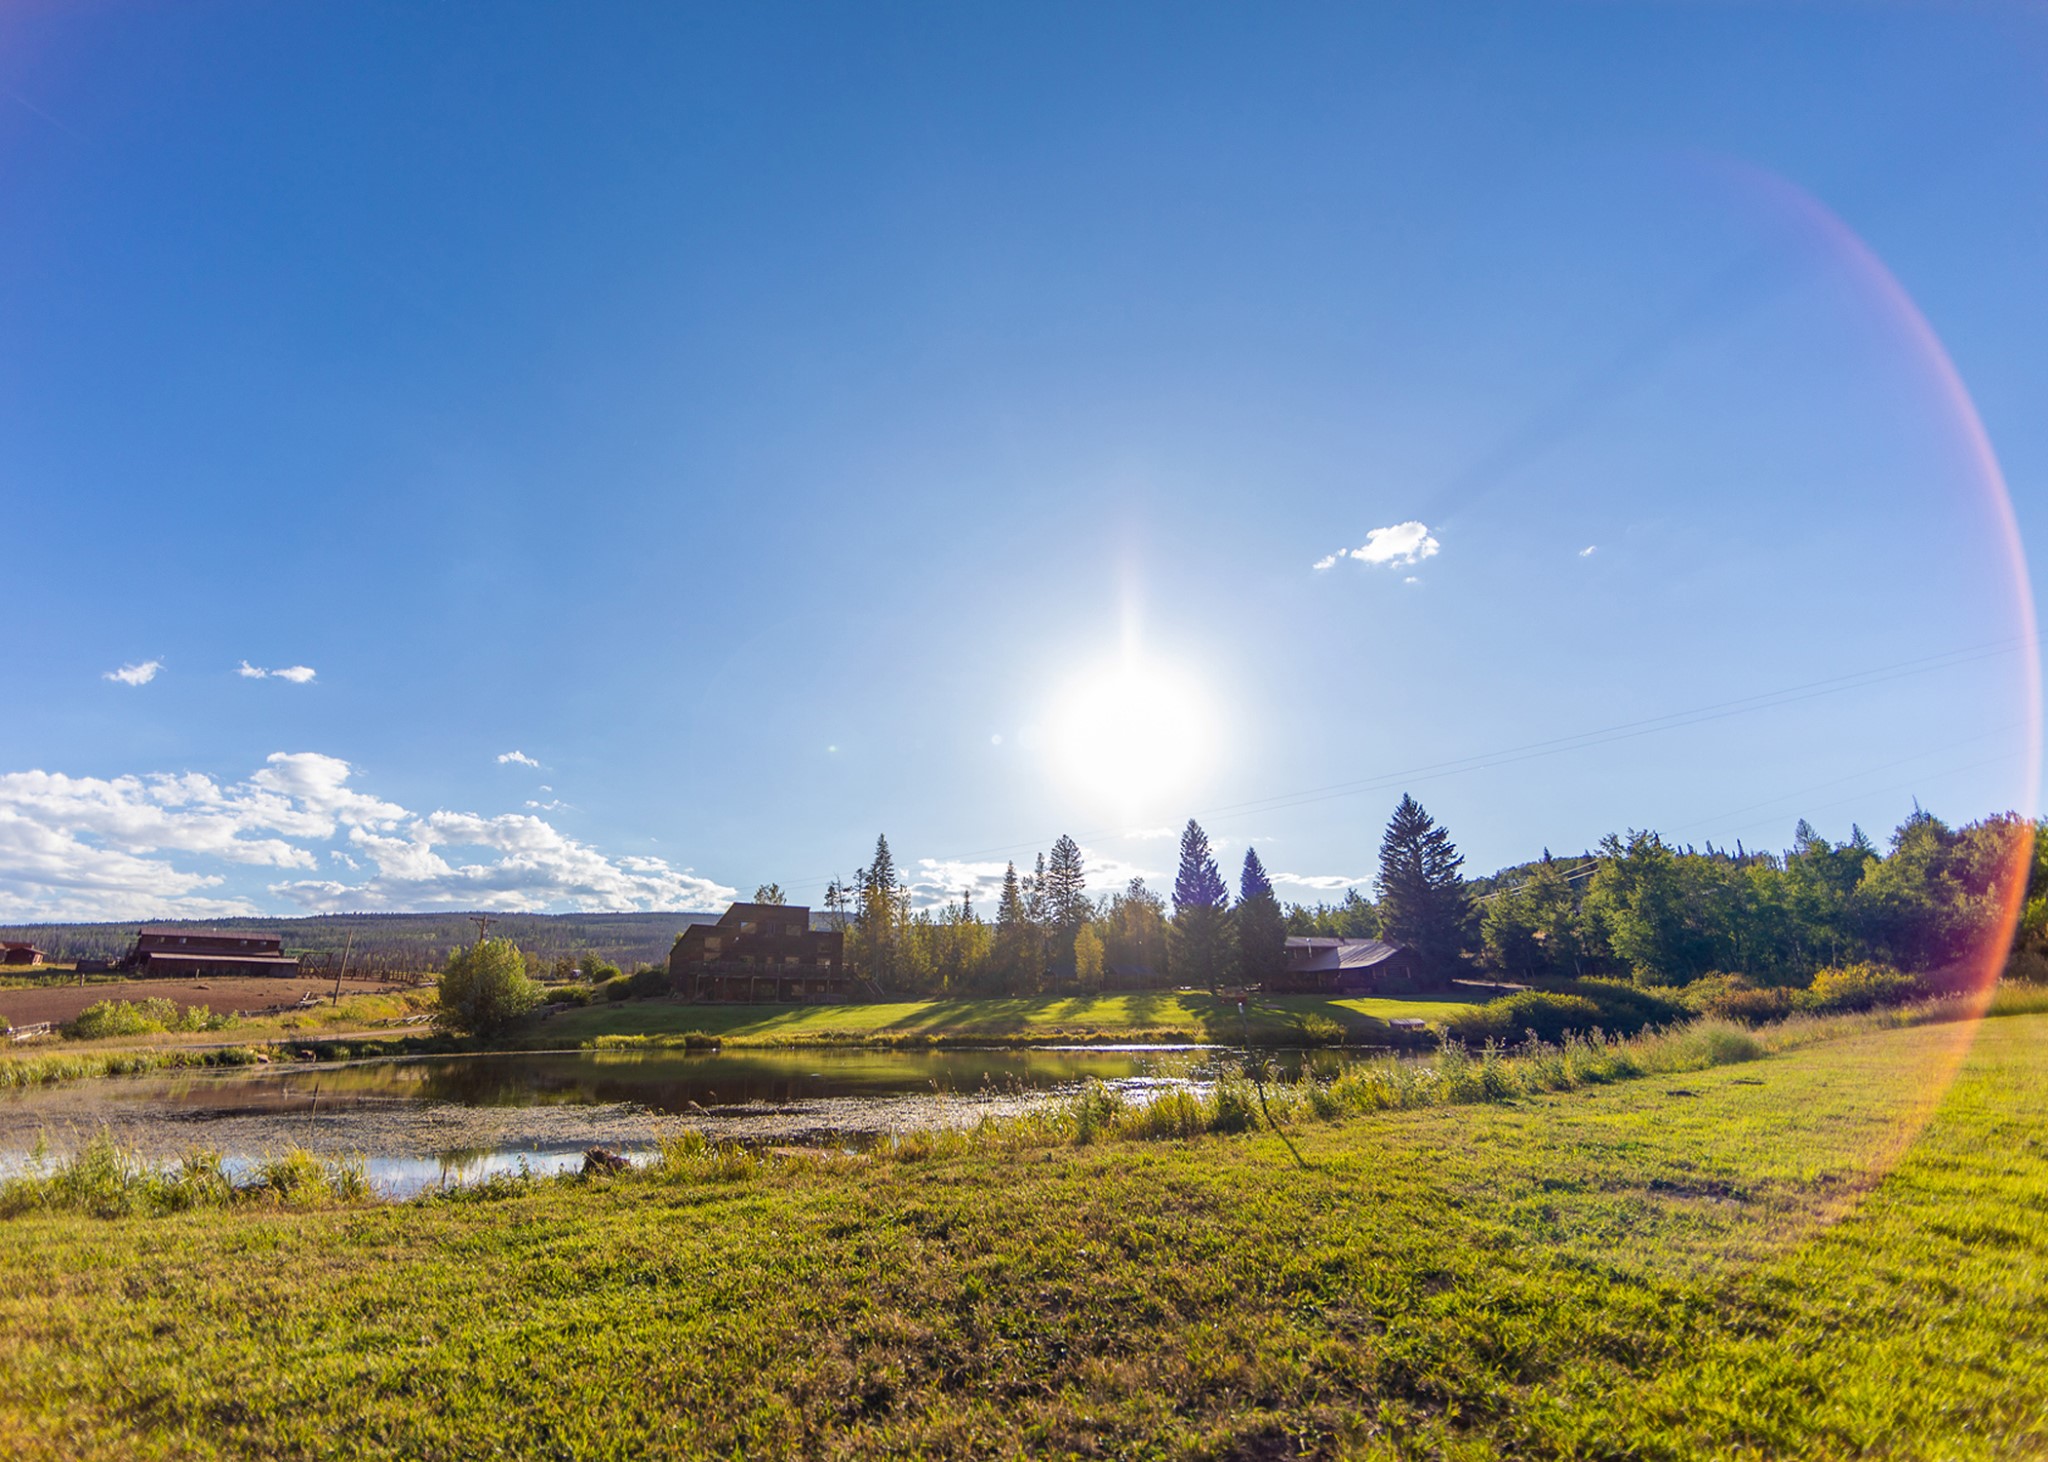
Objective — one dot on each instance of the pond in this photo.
(425, 1121)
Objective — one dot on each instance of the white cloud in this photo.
(1324, 882)
(553, 804)
(296, 674)
(1403, 545)
(516, 758)
(1146, 834)
(1589, 550)
(937, 882)
(141, 673)
(121, 847)
(1327, 561)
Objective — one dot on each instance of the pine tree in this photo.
(1197, 884)
(879, 920)
(1064, 889)
(1261, 930)
(1424, 903)
(1201, 943)
(1015, 936)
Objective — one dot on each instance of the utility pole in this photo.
(351, 944)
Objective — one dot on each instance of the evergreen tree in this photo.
(1424, 903)
(1197, 884)
(1203, 948)
(770, 893)
(879, 921)
(1015, 936)
(1261, 931)
(1064, 889)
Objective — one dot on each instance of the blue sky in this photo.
(779, 425)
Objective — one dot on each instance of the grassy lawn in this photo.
(1826, 1253)
(1276, 1020)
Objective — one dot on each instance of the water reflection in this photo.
(670, 1082)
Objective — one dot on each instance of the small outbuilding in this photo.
(19, 955)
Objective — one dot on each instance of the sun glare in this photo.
(1132, 734)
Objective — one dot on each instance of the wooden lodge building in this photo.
(174, 951)
(760, 952)
(1319, 966)
(16, 955)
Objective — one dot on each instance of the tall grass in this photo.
(53, 1067)
(106, 1180)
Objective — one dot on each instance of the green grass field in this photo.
(1165, 1016)
(1829, 1252)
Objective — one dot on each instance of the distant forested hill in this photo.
(397, 942)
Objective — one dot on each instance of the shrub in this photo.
(1578, 1006)
(618, 987)
(1859, 987)
(105, 1018)
(485, 988)
(649, 982)
(1547, 1016)
(1733, 997)
(1320, 1030)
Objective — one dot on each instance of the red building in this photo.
(20, 954)
(760, 952)
(174, 951)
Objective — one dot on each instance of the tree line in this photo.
(1638, 908)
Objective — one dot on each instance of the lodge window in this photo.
(746, 926)
(711, 944)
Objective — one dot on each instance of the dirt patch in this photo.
(248, 993)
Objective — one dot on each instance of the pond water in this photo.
(426, 1121)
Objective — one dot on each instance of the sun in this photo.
(1132, 735)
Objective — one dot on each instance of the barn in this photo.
(1333, 966)
(171, 950)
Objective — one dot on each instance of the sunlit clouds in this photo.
(141, 673)
(295, 674)
(161, 845)
(516, 758)
(1403, 545)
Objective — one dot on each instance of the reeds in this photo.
(106, 1180)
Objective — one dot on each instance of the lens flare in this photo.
(1131, 734)
(1855, 262)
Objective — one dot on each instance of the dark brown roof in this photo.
(185, 931)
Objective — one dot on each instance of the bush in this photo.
(569, 994)
(485, 988)
(649, 982)
(618, 987)
(114, 1018)
(1858, 987)
(1575, 1008)
(1733, 997)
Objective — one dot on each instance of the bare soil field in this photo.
(61, 1001)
